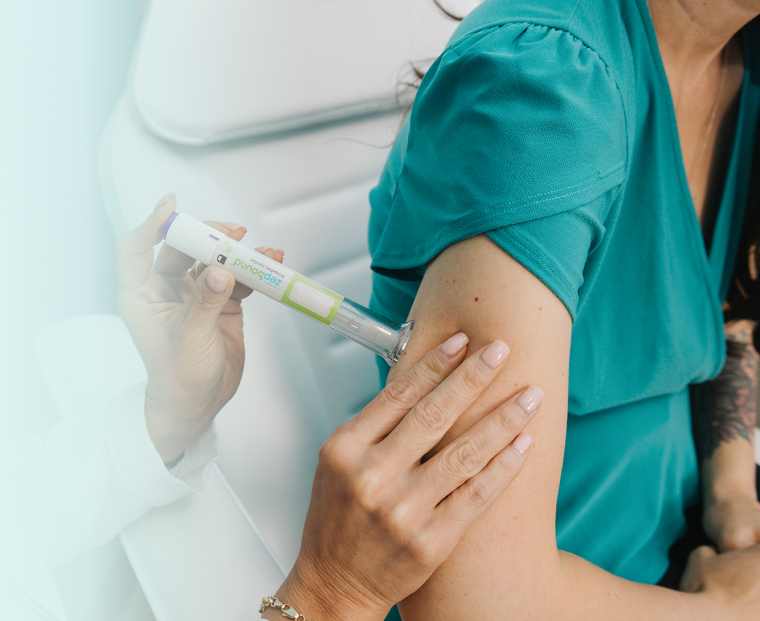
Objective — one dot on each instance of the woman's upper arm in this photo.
(509, 556)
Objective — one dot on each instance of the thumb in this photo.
(211, 293)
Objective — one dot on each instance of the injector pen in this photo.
(266, 276)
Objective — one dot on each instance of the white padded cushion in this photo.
(207, 71)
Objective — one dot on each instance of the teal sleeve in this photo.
(512, 126)
(555, 248)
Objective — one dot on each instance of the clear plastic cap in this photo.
(361, 325)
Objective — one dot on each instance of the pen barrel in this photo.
(274, 280)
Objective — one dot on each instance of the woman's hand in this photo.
(733, 523)
(189, 333)
(382, 519)
(731, 579)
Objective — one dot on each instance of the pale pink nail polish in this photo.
(454, 345)
(522, 443)
(234, 226)
(531, 399)
(496, 353)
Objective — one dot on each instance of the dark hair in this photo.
(411, 78)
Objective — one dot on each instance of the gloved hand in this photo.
(188, 332)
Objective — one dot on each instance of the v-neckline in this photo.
(696, 234)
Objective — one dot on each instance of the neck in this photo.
(691, 34)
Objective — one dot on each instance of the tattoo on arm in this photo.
(723, 409)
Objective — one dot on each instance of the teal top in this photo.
(549, 126)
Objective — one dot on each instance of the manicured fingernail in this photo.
(234, 226)
(531, 399)
(165, 200)
(522, 442)
(217, 279)
(454, 345)
(496, 353)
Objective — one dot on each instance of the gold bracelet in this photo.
(285, 610)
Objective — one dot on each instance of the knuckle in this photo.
(433, 366)
(422, 550)
(470, 379)
(330, 454)
(364, 489)
(511, 424)
(431, 415)
(477, 494)
(401, 392)
(397, 521)
(507, 467)
(465, 458)
(205, 298)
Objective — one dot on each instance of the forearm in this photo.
(585, 592)
(591, 593)
(535, 583)
(729, 472)
(724, 415)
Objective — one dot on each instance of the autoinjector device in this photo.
(257, 271)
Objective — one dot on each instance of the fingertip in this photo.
(522, 443)
(454, 345)
(234, 226)
(161, 214)
(235, 230)
(495, 354)
(166, 200)
(531, 399)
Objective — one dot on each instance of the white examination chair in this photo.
(277, 115)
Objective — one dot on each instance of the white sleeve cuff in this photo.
(138, 462)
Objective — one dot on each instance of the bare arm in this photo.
(724, 415)
(508, 563)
